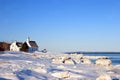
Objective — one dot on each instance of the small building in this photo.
(15, 46)
(4, 46)
(29, 46)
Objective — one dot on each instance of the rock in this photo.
(86, 61)
(104, 77)
(57, 61)
(69, 61)
(61, 60)
(76, 57)
(103, 62)
(63, 74)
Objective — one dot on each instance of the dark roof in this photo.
(33, 44)
(19, 44)
(24, 47)
(4, 46)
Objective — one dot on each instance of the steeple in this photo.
(28, 39)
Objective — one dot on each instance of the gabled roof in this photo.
(33, 44)
(19, 44)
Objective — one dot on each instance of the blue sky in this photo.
(62, 25)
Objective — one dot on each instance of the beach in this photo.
(56, 66)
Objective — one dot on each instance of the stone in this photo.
(104, 77)
(63, 74)
(69, 61)
(86, 61)
(103, 62)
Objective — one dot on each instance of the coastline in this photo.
(50, 65)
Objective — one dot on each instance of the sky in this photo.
(62, 25)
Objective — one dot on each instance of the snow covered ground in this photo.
(52, 66)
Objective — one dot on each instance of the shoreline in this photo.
(34, 66)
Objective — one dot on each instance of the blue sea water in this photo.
(114, 56)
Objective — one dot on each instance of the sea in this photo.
(113, 56)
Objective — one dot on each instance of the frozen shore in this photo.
(55, 66)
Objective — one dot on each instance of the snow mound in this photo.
(54, 66)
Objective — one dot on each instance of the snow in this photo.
(46, 66)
